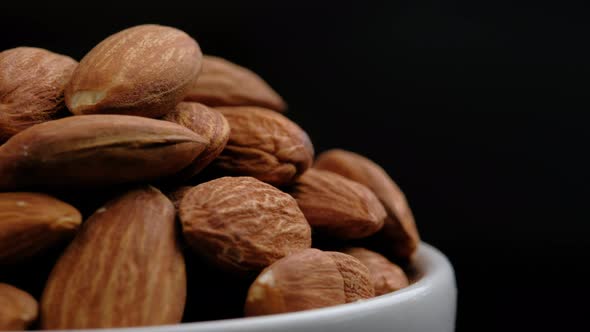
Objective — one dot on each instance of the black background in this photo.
(478, 109)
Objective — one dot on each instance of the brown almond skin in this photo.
(309, 279)
(32, 222)
(96, 150)
(18, 309)
(206, 122)
(386, 276)
(306, 280)
(124, 268)
(264, 144)
(223, 83)
(357, 279)
(32, 83)
(399, 236)
(241, 224)
(336, 206)
(145, 70)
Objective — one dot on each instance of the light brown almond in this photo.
(206, 122)
(357, 279)
(223, 83)
(33, 222)
(399, 236)
(242, 224)
(124, 268)
(336, 206)
(18, 309)
(309, 279)
(265, 145)
(144, 70)
(32, 83)
(386, 276)
(97, 150)
(306, 280)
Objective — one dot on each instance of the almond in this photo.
(399, 236)
(32, 83)
(386, 276)
(33, 222)
(206, 122)
(97, 150)
(144, 70)
(336, 206)
(265, 145)
(357, 280)
(18, 309)
(223, 83)
(306, 280)
(242, 224)
(124, 268)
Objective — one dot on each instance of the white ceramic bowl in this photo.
(428, 305)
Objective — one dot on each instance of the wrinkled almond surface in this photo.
(206, 122)
(144, 70)
(386, 276)
(242, 224)
(223, 83)
(32, 83)
(33, 222)
(399, 236)
(336, 206)
(124, 268)
(306, 280)
(265, 145)
(357, 280)
(97, 150)
(18, 309)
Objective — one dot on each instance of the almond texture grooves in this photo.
(124, 268)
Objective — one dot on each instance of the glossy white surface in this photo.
(428, 305)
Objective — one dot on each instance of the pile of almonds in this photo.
(200, 199)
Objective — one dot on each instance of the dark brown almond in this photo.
(145, 70)
(336, 206)
(265, 145)
(32, 83)
(33, 222)
(242, 224)
(223, 83)
(18, 309)
(124, 268)
(97, 150)
(399, 236)
(206, 122)
(386, 276)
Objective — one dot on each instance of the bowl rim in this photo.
(430, 264)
